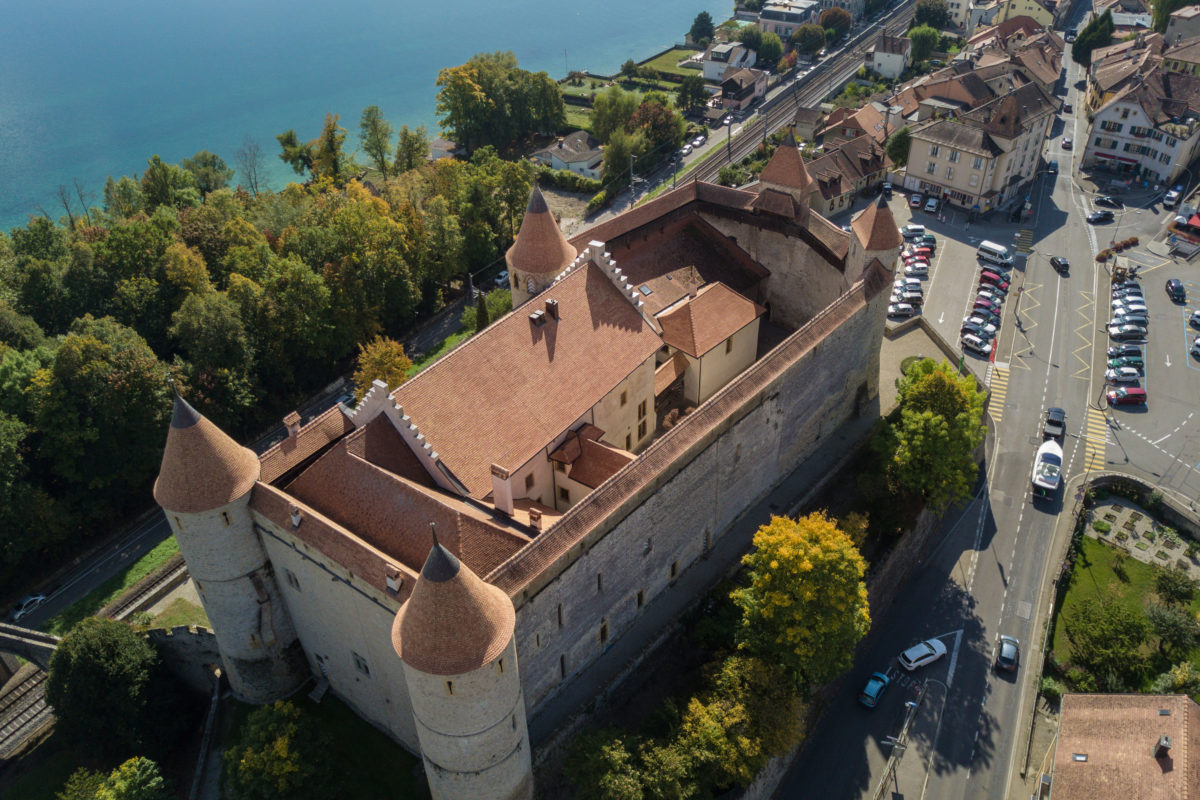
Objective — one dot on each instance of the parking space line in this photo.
(999, 390)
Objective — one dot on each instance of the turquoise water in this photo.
(89, 89)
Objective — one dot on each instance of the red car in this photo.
(912, 258)
(993, 279)
(926, 252)
(1127, 396)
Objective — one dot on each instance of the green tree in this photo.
(661, 127)
(279, 752)
(84, 784)
(770, 48)
(211, 333)
(611, 111)
(1097, 33)
(629, 69)
(491, 101)
(702, 29)
(1174, 586)
(375, 135)
(808, 38)
(137, 779)
(839, 19)
(691, 93)
(380, 359)
(804, 606)
(1183, 678)
(751, 36)
(481, 312)
(100, 687)
(170, 185)
(1161, 13)
(412, 148)
(210, 171)
(1106, 640)
(1176, 628)
(328, 161)
(443, 241)
(924, 40)
(934, 13)
(123, 197)
(296, 154)
(601, 768)
(617, 152)
(898, 145)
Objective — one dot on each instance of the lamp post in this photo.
(632, 185)
(728, 120)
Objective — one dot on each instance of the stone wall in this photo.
(190, 652)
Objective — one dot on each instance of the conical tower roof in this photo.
(202, 468)
(540, 246)
(876, 228)
(786, 168)
(453, 622)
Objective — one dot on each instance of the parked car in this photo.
(984, 303)
(1122, 375)
(27, 605)
(922, 251)
(1195, 349)
(917, 268)
(914, 201)
(699, 140)
(1127, 361)
(1129, 305)
(992, 291)
(1132, 319)
(1125, 333)
(990, 317)
(1175, 290)
(928, 240)
(901, 310)
(1121, 350)
(1126, 284)
(1134, 292)
(913, 230)
(993, 279)
(922, 654)
(1195, 318)
(912, 259)
(1008, 654)
(1067, 144)
(1054, 426)
(686, 150)
(1126, 396)
(976, 345)
(1103, 215)
(903, 282)
(913, 297)
(1060, 264)
(1067, 108)
(932, 205)
(1172, 197)
(501, 280)
(1108, 200)
(871, 693)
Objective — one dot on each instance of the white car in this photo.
(1128, 305)
(28, 604)
(983, 324)
(976, 345)
(917, 268)
(1047, 466)
(922, 653)
(1195, 347)
(901, 310)
(699, 140)
(990, 292)
(686, 150)
(908, 283)
(1122, 375)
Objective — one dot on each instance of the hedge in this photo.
(566, 180)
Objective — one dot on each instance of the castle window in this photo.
(225, 518)
(360, 664)
(641, 598)
(529, 481)
(599, 582)
(450, 688)
(560, 466)
(624, 398)
(641, 409)
(674, 569)
(707, 540)
(628, 441)
(564, 494)
(514, 721)
(178, 524)
(562, 666)
(292, 580)
(604, 632)
(729, 345)
(500, 666)
(642, 430)
(560, 615)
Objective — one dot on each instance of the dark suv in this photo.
(1175, 290)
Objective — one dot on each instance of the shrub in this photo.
(1051, 689)
(1192, 549)
(1103, 255)
(1122, 536)
(566, 180)
(1183, 563)
(598, 201)
(1101, 526)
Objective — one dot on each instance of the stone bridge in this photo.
(29, 644)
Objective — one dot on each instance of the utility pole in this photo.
(632, 189)
(729, 139)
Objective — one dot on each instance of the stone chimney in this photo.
(502, 493)
(292, 421)
(535, 519)
(552, 309)
(1163, 748)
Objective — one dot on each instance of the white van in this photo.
(912, 231)
(996, 254)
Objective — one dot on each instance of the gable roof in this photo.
(1163, 96)
(894, 45)
(697, 324)
(597, 463)
(1186, 50)
(959, 136)
(517, 386)
(574, 148)
(837, 170)
(202, 467)
(540, 246)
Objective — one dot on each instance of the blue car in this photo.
(874, 689)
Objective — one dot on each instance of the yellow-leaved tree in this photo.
(380, 359)
(804, 606)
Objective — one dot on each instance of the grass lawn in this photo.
(180, 612)
(112, 588)
(448, 344)
(668, 61)
(579, 118)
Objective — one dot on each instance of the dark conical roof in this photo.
(202, 468)
(540, 246)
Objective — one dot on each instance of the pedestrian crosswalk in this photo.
(1025, 240)
(997, 383)
(1095, 438)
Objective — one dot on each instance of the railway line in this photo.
(23, 710)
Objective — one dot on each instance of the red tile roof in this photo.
(699, 324)
(786, 168)
(597, 463)
(310, 440)
(876, 227)
(668, 371)
(540, 246)
(202, 468)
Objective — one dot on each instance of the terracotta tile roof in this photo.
(779, 203)
(1106, 744)
(959, 136)
(668, 371)
(309, 440)
(837, 171)
(393, 514)
(830, 235)
(202, 468)
(379, 443)
(540, 246)
(597, 463)
(786, 168)
(895, 45)
(699, 324)
(453, 622)
(508, 391)
(808, 116)
(1007, 116)
(572, 446)
(876, 227)
(660, 208)
(1019, 26)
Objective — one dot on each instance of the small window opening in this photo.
(450, 687)
(225, 518)
(560, 615)
(641, 598)
(562, 666)
(729, 345)
(674, 569)
(603, 632)
(599, 582)
(624, 398)
(529, 481)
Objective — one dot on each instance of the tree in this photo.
(1097, 33)
(481, 312)
(662, 128)
(629, 69)
(924, 40)
(296, 154)
(1176, 628)
(123, 197)
(601, 768)
(380, 359)
(611, 111)
(702, 30)
(211, 333)
(84, 784)
(838, 18)
(940, 425)
(375, 134)
(210, 171)
(279, 752)
(1183, 678)
(412, 148)
(934, 13)
(808, 38)
(1174, 586)
(99, 686)
(491, 101)
(169, 185)
(1162, 10)
(770, 48)
(691, 93)
(249, 163)
(804, 606)
(327, 158)
(898, 145)
(751, 36)
(136, 779)
(1106, 640)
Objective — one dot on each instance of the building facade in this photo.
(891, 55)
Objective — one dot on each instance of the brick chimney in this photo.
(1163, 748)
(502, 493)
(292, 421)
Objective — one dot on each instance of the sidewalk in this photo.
(910, 772)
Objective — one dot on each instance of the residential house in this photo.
(1007, 32)
(1150, 129)
(855, 7)
(723, 55)
(577, 152)
(959, 12)
(742, 88)
(999, 11)
(984, 158)
(855, 167)
(1123, 746)
(943, 94)
(1184, 23)
(782, 17)
(806, 123)
(1183, 57)
(875, 119)
(1115, 66)
(890, 56)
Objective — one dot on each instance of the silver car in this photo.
(922, 653)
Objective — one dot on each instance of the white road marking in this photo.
(942, 319)
(1168, 360)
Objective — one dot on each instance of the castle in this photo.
(655, 378)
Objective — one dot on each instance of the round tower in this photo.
(455, 637)
(204, 487)
(539, 253)
(875, 237)
(786, 173)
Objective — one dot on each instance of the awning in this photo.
(1105, 156)
(1124, 160)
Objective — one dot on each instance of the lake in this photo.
(89, 90)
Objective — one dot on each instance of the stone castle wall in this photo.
(191, 653)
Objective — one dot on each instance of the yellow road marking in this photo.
(999, 390)
(1095, 440)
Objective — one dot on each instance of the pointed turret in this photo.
(202, 468)
(453, 622)
(876, 228)
(785, 171)
(540, 251)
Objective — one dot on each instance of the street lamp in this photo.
(728, 120)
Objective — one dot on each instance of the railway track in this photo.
(23, 710)
(130, 603)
